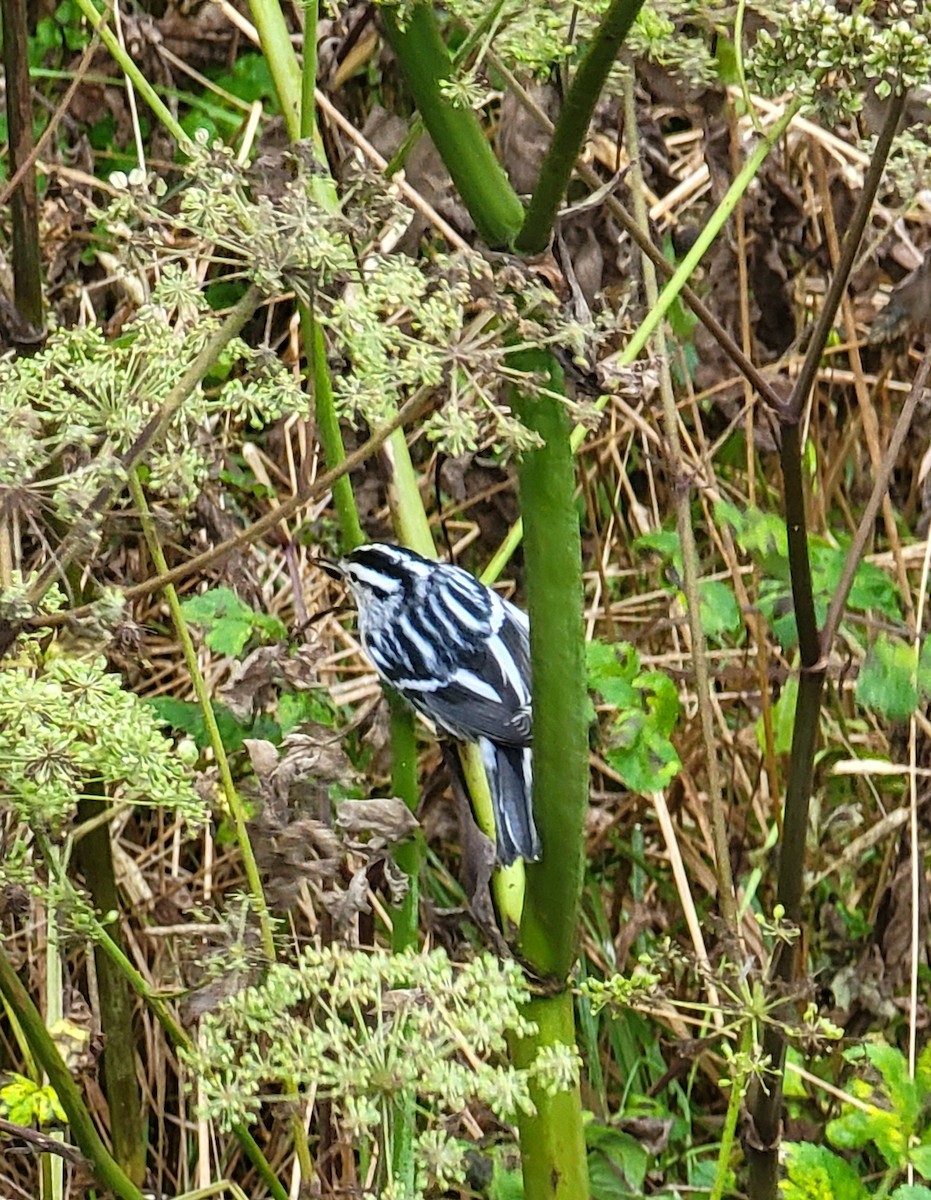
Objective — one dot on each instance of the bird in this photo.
(459, 654)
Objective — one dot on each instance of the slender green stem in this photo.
(46, 1052)
(275, 41)
(691, 573)
(409, 857)
(156, 1003)
(233, 799)
(310, 9)
(728, 1133)
(231, 795)
(479, 178)
(132, 72)
(331, 436)
(572, 125)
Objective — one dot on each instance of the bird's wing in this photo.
(487, 693)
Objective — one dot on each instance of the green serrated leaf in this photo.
(888, 678)
(814, 1173)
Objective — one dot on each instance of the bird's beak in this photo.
(331, 566)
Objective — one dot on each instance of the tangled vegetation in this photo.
(625, 309)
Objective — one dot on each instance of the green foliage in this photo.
(66, 722)
(895, 677)
(815, 1173)
(230, 622)
(762, 536)
(58, 35)
(27, 1103)
(365, 1030)
(617, 1163)
(888, 1116)
(646, 709)
(533, 38)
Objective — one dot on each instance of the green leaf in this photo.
(187, 717)
(920, 1158)
(646, 711)
(814, 1173)
(720, 612)
(26, 1103)
(229, 621)
(617, 1163)
(888, 678)
(911, 1191)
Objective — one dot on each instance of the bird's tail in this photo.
(510, 780)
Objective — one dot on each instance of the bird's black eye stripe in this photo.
(386, 560)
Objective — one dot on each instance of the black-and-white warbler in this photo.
(460, 655)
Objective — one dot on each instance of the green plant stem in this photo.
(233, 799)
(52, 1165)
(728, 1133)
(409, 857)
(308, 110)
(275, 41)
(691, 573)
(572, 125)
(553, 560)
(231, 795)
(98, 23)
(552, 1142)
(80, 1123)
(479, 178)
(331, 438)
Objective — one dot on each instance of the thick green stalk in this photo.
(553, 557)
(552, 1141)
(479, 178)
(572, 125)
(80, 1122)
